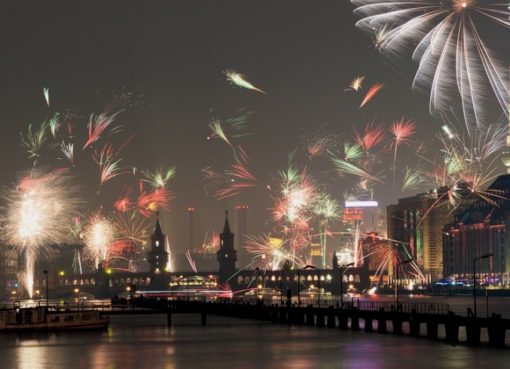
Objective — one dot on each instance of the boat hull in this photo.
(38, 319)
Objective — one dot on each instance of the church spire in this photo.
(157, 229)
(226, 255)
(226, 228)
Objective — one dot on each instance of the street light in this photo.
(47, 288)
(485, 256)
(342, 270)
(396, 274)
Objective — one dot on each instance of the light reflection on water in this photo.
(145, 342)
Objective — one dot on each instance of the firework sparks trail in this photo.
(233, 127)
(191, 262)
(151, 202)
(297, 190)
(465, 167)
(99, 235)
(269, 253)
(46, 93)
(413, 179)
(159, 177)
(401, 131)
(54, 124)
(356, 84)
(124, 204)
(324, 208)
(132, 227)
(35, 216)
(67, 150)
(371, 93)
(109, 164)
(318, 147)
(446, 129)
(211, 243)
(239, 177)
(169, 264)
(98, 125)
(352, 151)
(35, 140)
(371, 136)
(240, 81)
(217, 129)
(456, 68)
(346, 167)
(292, 210)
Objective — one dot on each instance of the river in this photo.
(145, 342)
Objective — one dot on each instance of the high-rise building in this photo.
(481, 229)
(416, 224)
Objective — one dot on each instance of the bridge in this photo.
(433, 321)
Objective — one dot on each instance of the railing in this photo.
(132, 305)
(418, 307)
(409, 307)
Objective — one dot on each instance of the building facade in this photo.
(481, 229)
(417, 223)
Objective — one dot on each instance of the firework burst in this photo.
(240, 80)
(99, 234)
(456, 68)
(371, 93)
(270, 253)
(98, 125)
(356, 84)
(38, 214)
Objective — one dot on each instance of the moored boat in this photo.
(41, 318)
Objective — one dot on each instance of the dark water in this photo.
(145, 342)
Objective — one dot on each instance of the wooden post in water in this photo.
(342, 319)
(381, 322)
(168, 318)
(452, 328)
(368, 324)
(497, 331)
(414, 324)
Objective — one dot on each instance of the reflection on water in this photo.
(145, 342)
(31, 354)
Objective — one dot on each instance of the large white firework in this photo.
(449, 39)
(37, 215)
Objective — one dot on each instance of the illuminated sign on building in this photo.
(361, 204)
(352, 214)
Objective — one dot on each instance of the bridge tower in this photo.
(227, 255)
(157, 256)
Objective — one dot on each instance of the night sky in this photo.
(171, 55)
